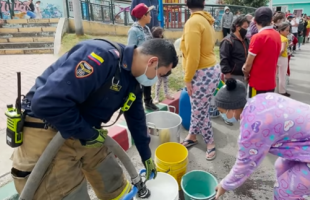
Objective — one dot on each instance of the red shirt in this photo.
(266, 47)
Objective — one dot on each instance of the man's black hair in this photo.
(263, 16)
(238, 23)
(161, 48)
(192, 4)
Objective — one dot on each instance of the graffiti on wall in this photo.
(20, 7)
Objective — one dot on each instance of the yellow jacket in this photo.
(308, 26)
(197, 44)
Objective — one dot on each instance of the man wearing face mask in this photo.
(234, 50)
(74, 96)
(227, 20)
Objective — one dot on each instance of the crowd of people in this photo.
(254, 59)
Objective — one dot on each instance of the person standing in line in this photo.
(288, 13)
(237, 14)
(137, 34)
(284, 30)
(153, 12)
(308, 28)
(277, 19)
(38, 10)
(202, 74)
(234, 51)
(249, 18)
(300, 32)
(227, 20)
(158, 32)
(305, 28)
(294, 23)
(261, 65)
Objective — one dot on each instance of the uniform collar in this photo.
(127, 57)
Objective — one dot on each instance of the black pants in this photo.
(253, 92)
(304, 34)
(147, 91)
(296, 35)
(226, 31)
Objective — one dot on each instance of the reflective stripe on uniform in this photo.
(124, 192)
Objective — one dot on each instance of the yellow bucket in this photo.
(172, 158)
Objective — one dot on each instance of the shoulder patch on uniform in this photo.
(97, 59)
(83, 69)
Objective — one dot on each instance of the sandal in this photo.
(189, 143)
(209, 151)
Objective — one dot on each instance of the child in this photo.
(270, 123)
(137, 34)
(284, 30)
(157, 32)
(300, 33)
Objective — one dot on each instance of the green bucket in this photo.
(198, 185)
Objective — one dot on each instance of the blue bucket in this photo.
(199, 185)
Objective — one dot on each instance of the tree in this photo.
(250, 3)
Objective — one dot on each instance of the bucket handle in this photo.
(168, 171)
(152, 126)
(173, 108)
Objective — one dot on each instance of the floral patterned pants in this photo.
(204, 84)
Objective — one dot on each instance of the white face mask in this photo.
(145, 81)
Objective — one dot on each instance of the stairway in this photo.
(28, 36)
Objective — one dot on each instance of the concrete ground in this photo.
(258, 187)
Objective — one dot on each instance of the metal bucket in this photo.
(164, 126)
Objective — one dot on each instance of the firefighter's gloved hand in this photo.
(150, 168)
(97, 141)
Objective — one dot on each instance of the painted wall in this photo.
(289, 1)
(305, 7)
(49, 9)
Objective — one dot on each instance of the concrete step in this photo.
(26, 39)
(22, 45)
(27, 34)
(25, 21)
(28, 25)
(49, 50)
(28, 30)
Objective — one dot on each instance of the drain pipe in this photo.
(49, 154)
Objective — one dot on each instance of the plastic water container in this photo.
(185, 109)
(199, 185)
(164, 187)
(172, 158)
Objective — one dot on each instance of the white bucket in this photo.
(164, 187)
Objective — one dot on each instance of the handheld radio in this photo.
(15, 119)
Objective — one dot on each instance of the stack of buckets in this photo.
(172, 158)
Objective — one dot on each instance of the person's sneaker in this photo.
(151, 106)
(213, 112)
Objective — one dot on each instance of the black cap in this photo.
(263, 12)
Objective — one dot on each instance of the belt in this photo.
(35, 125)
